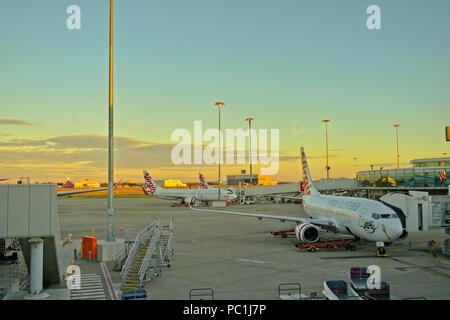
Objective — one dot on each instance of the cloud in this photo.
(331, 156)
(81, 156)
(289, 158)
(15, 122)
(77, 141)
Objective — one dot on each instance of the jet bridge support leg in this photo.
(37, 265)
(36, 269)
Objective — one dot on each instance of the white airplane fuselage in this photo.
(209, 194)
(363, 218)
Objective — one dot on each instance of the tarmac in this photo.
(238, 257)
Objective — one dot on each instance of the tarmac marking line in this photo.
(112, 292)
(91, 288)
(87, 293)
(426, 269)
(91, 298)
(79, 291)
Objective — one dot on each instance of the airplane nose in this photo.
(394, 231)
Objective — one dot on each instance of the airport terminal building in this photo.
(425, 174)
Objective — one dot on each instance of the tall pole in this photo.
(220, 155)
(398, 155)
(250, 119)
(110, 229)
(327, 168)
(219, 105)
(354, 162)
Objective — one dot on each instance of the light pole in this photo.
(110, 213)
(327, 168)
(354, 162)
(219, 105)
(250, 119)
(396, 126)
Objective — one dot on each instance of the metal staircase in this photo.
(132, 279)
(167, 243)
(151, 264)
(151, 249)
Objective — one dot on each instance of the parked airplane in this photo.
(188, 196)
(363, 218)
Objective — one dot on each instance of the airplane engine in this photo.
(307, 232)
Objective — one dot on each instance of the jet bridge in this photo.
(421, 211)
(29, 213)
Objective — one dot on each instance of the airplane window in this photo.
(376, 216)
(385, 216)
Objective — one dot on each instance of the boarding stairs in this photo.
(167, 243)
(151, 250)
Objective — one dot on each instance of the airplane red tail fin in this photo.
(149, 183)
(203, 183)
(309, 188)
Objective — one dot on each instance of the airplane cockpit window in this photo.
(377, 216)
(229, 191)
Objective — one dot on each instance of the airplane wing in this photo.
(4, 179)
(69, 192)
(284, 197)
(339, 193)
(324, 224)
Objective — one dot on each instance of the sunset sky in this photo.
(288, 64)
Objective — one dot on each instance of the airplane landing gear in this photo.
(381, 250)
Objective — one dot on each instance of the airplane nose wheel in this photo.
(381, 252)
(195, 202)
